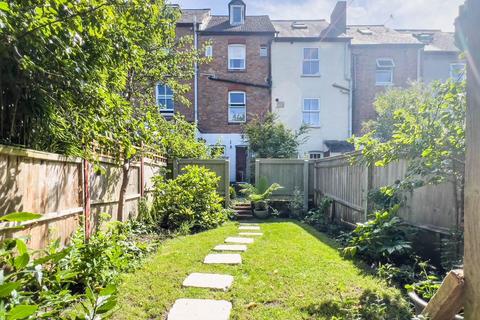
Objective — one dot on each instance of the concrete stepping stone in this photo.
(250, 234)
(251, 228)
(200, 309)
(231, 247)
(250, 224)
(208, 280)
(239, 240)
(223, 258)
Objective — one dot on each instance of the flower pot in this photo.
(261, 214)
(420, 304)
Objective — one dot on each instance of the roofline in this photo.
(386, 44)
(312, 39)
(301, 20)
(366, 25)
(231, 33)
(226, 16)
(208, 9)
(422, 30)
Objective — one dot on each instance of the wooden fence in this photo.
(220, 166)
(54, 186)
(432, 207)
(289, 173)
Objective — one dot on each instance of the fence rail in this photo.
(54, 186)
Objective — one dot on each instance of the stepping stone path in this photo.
(208, 280)
(250, 228)
(240, 240)
(202, 309)
(199, 309)
(223, 258)
(231, 247)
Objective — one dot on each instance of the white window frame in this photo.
(230, 58)
(381, 68)
(314, 155)
(310, 60)
(237, 105)
(452, 67)
(232, 15)
(264, 51)
(164, 96)
(209, 51)
(311, 111)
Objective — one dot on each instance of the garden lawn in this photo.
(288, 273)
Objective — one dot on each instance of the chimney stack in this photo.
(338, 19)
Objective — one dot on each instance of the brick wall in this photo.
(213, 95)
(365, 90)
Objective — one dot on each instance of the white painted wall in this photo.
(229, 141)
(290, 87)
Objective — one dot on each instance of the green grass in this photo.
(286, 274)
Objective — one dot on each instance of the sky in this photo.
(413, 14)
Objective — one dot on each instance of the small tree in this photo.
(270, 139)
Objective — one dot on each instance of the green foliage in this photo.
(451, 250)
(385, 198)
(233, 193)
(270, 139)
(381, 239)
(259, 195)
(428, 286)
(190, 202)
(296, 205)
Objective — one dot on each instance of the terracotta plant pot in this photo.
(420, 304)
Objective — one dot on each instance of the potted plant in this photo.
(259, 196)
(296, 204)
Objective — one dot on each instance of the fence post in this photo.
(368, 187)
(86, 199)
(226, 178)
(142, 176)
(315, 184)
(306, 163)
(257, 171)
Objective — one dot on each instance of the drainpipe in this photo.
(348, 77)
(195, 80)
(419, 65)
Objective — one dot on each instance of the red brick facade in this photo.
(364, 58)
(254, 81)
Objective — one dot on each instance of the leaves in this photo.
(7, 288)
(20, 217)
(21, 312)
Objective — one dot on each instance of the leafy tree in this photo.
(424, 125)
(270, 139)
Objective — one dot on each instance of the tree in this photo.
(424, 125)
(270, 139)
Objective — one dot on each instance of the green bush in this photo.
(190, 202)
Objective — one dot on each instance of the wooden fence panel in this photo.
(220, 166)
(52, 185)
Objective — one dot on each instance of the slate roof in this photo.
(379, 35)
(221, 24)
(440, 41)
(188, 15)
(314, 28)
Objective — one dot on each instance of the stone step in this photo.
(239, 240)
(200, 309)
(249, 228)
(250, 234)
(231, 247)
(244, 212)
(223, 258)
(209, 281)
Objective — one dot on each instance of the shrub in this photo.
(190, 202)
(382, 239)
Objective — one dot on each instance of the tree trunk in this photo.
(123, 189)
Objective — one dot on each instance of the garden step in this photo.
(250, 234)
(239, 240)
(200, 309)
(249, 224)
(244, 212)
(245, 217)
(251, 228)
(208, 280)
(223, 258)
(231, 247)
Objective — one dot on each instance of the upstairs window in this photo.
(315, 155)
(237, 107)
(458, 71)
(164, 98)
(311, 62)
(384, 72)
(237, 15)
(208, 51)
(311, 112)
(236, 57)
(264, 51)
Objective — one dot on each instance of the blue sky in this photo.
(429, 14)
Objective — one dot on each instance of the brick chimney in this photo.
(338, 19)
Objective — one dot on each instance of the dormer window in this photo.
(237, 12)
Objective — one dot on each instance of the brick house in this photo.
(235, 86)
(381, 58)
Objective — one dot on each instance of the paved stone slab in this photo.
(250, 234)
(223, 258)
(208, 280)
(249, 224)
(200, 309)
(239, 240)
(231, 247)
(251, 228)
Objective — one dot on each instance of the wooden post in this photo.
(142, 177)
(86, 199)
(305, 184)
(257, 171)
(469, 39)
(315, 184)
(226, 178)
(368, 187)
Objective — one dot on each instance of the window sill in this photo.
(311, 76)
(384, 84)
(236, 123)
(237, 70)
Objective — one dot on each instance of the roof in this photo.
(313, 28)
(378, 34)
(221, 24)
(189, 15)
(234, 2)
(339, 146)
(435, 40)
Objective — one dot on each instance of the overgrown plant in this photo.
(296, 205)
(260, 194)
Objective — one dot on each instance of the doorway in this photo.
(241, 164)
